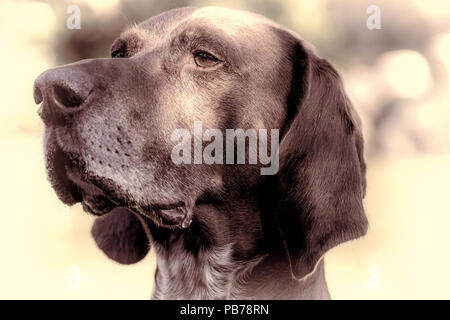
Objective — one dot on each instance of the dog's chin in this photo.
(98, 196)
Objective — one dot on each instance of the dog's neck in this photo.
(214, 273)
(208, 274)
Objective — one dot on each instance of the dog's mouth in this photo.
(67, 176)
(98, 196)
(94, 199)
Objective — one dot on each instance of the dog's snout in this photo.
(63, 91)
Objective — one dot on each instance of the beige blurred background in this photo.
(398, 78)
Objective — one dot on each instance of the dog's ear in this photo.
(122, 236)
(321, 180)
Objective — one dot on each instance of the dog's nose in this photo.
(63, 91)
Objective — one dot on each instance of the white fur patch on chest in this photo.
(211, 274)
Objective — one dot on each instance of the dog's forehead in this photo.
(166, 21)
(232, 22)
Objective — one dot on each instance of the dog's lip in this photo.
(76, 179)
(56, 162)
(97, 201)
(69, 174)
(94, 199)
(175, 215)
(98, 207)
(171, 214)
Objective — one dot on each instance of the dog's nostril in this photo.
(67, 97)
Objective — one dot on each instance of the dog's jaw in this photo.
(72, 183)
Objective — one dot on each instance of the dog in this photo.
(219, 231)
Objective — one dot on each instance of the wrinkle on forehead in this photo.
(133, 37)
(134, 31)
(155, 30)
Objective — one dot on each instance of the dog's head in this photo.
(110, 124)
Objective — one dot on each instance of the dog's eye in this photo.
(119, 53)
(205, 60)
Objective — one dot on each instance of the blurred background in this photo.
(397, 76)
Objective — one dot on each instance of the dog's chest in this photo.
(209, 274)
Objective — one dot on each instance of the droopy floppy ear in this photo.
(122, 236)
(321, 180)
